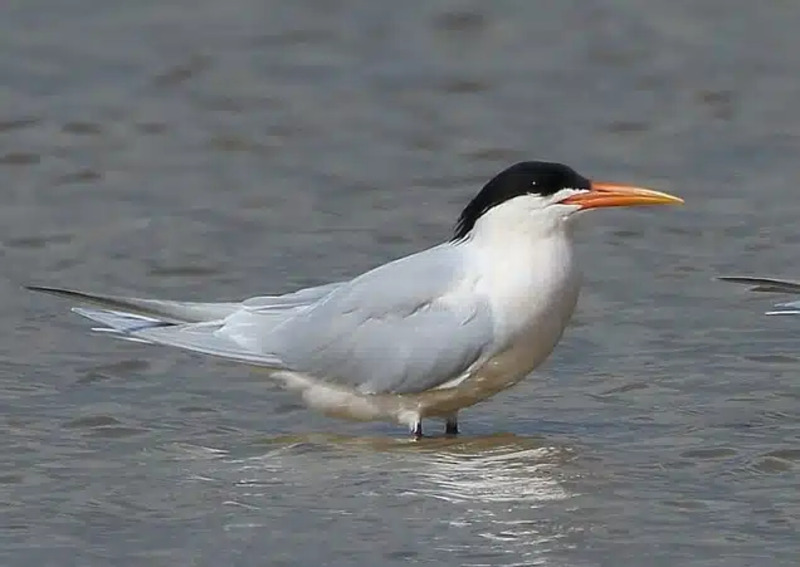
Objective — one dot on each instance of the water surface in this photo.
(226, 149)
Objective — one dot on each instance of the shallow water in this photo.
(220, 150)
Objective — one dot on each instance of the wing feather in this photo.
(765, 284)
(405, 327)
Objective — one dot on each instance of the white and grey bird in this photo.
(423, 336)
(771, 285)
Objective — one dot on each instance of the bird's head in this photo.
(544, 196)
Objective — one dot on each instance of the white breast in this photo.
(529, 276)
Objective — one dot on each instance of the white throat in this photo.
(527, 217)
(523, 253)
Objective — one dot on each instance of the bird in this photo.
(771, 285)
(422, 336)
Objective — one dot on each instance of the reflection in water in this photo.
(484, 497)
(495, 469)
(496, 487)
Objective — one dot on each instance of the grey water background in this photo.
(216, 150)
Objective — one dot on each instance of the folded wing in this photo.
(405, 327)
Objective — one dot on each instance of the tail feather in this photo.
(162, 310)
(186, 325)
(204, 338)
(119, 322)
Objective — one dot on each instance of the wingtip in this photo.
(769, 285)
(735, 279)
(744, 280)
(46, 289)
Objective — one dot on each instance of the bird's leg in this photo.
(416, 429)
(451, 425)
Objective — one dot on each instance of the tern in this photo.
(774, 286)
(419, 337)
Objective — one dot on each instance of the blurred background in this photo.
(217, 150)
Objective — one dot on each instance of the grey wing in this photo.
(397, 329)
(773, 286)
(303, 297)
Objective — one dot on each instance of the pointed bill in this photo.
(616, 195)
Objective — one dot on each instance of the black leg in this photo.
(451, 426)
(416, 432)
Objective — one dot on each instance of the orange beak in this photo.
(614, 195)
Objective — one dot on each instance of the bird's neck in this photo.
(537, 260)
(527, 273)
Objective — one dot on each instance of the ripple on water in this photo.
(186, 271)
(103, 426)
(121, 369)
(20, 158)
(709, 453)
(18, 123)
(182, 72)
(771, 465)
(91, 421)
(772, 358)
(38, 241)
(80, 128)
(76, 177)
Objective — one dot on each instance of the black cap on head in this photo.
(524, 178)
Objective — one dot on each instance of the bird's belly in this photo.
(495, 375)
